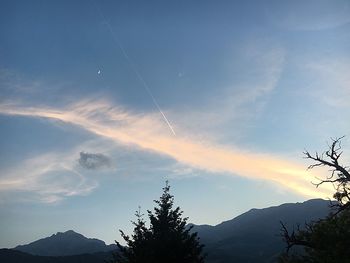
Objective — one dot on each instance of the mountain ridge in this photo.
(253, 236)
(66, 243)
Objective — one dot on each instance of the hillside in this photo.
(65, 244)
(253, 236)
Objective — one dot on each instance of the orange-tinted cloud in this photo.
(149, 132)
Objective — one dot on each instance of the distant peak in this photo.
(315, 200)
(63, 244)
(69, 232)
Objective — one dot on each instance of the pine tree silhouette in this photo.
(167, 239)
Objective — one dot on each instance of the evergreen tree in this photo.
(137, 246)
(167, 239)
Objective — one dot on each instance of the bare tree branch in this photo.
(339, 175)
(292, 239)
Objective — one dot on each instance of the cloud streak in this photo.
(51, 177)
(332, 81)
(149, 132)
(309, 15)
(245, 95)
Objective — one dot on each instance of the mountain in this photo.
(255, 235)
(65, 244)
(250, 237)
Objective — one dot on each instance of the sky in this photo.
(101, 102)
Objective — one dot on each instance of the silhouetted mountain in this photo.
(65, 244)
(251, 237)
(255, 235)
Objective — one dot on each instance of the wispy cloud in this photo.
(243, 97)
(48, 177)
(266, 61)
(149, 132)
(54, 176)
(309, 15)
(331, 81)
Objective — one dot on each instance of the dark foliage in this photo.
(326, 240)
(167, 239)
(14, 256)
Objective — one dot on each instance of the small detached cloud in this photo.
(94, 161)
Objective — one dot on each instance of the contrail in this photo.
(134, 68)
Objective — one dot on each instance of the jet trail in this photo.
(134, 68)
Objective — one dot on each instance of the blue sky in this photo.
(246, 86)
